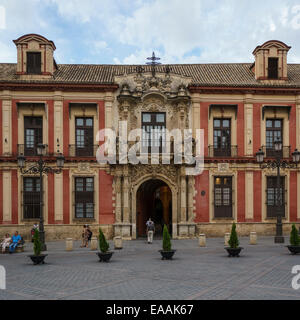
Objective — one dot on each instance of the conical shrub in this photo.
(233, 241)
(103, 244)
(37, 244)
(294, 236)
(166, 239)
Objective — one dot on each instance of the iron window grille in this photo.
(84, 197)
(271, 197)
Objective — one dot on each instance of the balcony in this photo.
(272, 153)
(30, 152)
(85, 151)
(229, 152)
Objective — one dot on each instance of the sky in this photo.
(128, 31)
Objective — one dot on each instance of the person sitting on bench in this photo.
(5, 242)
(15, 240)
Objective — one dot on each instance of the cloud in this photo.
(127, 31)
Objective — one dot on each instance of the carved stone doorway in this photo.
(153, 200)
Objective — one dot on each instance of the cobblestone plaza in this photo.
(263, 271)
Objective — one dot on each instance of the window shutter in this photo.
(33, 62)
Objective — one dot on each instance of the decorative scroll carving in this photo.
(155, 170)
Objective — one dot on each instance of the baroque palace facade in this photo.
(241, 108)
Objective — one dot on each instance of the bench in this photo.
(20, 247)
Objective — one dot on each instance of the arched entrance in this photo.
(153, 199)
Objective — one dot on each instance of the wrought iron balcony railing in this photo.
(272, 153)
(230, 151)
(85, 151)
(26, 151)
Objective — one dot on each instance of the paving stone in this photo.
(137, 272)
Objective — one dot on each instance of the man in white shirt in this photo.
(150, 230)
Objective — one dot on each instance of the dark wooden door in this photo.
(33, 134)
(84, 133)
(223, 197)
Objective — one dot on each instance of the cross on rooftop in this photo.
(153, 63)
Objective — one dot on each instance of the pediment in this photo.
(279, 45)
(28, 38)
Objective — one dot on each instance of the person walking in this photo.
(150, 230)
(85, 237)
(90, 233)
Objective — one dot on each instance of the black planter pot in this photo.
(294, 249)
(234, 252)
(37, 259)
(168, 255)
(105, 257)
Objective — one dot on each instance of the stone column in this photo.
(183, 225)
(164, 197)
(248, 118)
(126, 200)
(183, 199)
(118, 206)
(94, 243)
(190, 204)
(6, 123)
(69, 244)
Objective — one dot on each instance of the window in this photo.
(273, 68)
(222, 137)
(84, 131)
(33, 134)
(273, 132)
(154, 131)
(272, 197)
(31, 197)
(223, 197)
(33, 62)
(84, 197)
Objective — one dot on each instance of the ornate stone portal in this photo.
(141, 92)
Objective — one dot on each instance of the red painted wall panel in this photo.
(1, 126)
(106, 208)
(241, 196)
(256, 127)
(66, 132)
(66, 203)
(257, 194)
(50, 126)
(293, 196)
(14, 116)
(202, 202)
(292, 128)
(240, 129)
(1, 197)
(204, 124)
(51, 198)
(101, 111)
(14, 196)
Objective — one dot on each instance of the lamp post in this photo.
(277, 164)
(41, 168)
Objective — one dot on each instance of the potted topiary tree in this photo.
(37, 257)
(167, 252)
(294, 246)
(233, 249)
(104, 255)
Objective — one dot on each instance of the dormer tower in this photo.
(271, 61)
(35, 56)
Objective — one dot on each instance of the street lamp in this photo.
(277, 164)
(41, 168)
